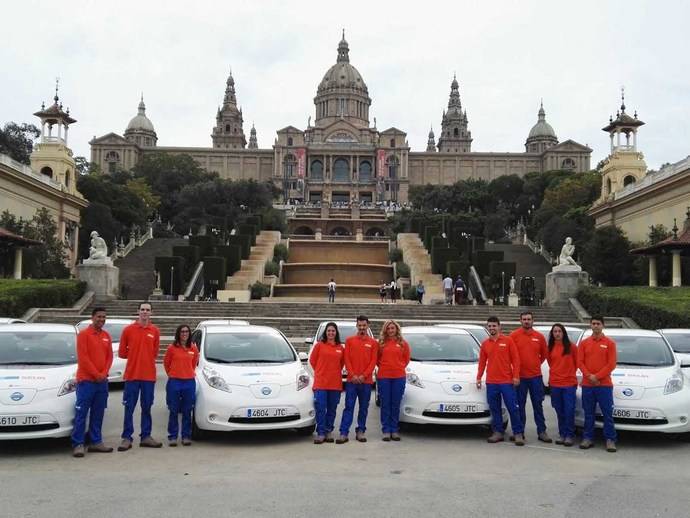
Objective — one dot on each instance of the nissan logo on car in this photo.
(456, 388)
(16, 396)
(266, 391)
(628, 392)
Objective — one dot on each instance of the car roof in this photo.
(108, 321)
(34, 328)
(567, 328)
(339, 322)
(222, 322)
(242, 328)
(460, 325)
(625, 332)
(433, 330)
(674, 331)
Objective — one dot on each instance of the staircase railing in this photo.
(477, 287)
(121, 250)
(538, 249)
(195, 286)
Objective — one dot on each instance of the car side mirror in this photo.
(685, 364)
(302, 356)
(308, 341)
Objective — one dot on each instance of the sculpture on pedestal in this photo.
(98, 251)
(565, 259)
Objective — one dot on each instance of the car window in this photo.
(247, 348)
(680, 342)
(443, 347)
(38, 348)
(649, 351)
(114, 330)
(480, 334)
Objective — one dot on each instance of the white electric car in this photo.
(441, 378)
(8, 320)
(250, 378)
(650, 392)
(679, 340)
(574, 335)
(38, 365)
(346, 329)
(479, 332)
(114, 327)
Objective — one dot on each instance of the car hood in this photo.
(439, 372)
(643, 378)
(20, 384)
(250, 374)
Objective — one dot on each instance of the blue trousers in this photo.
(563, 402)
(506, 391)
(353, 392)
(92, 400)
(133, 391)
(325, 406)
(391, 392)
(535, 388)
(603, 396)
(180, 395)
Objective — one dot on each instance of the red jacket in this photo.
(597, 356)
(562, 368)
(180, 361)
(139, 346)
(94, 354)
(327, 360)
(532, 349)
(361, 354)
(503, 360)
(393, 359)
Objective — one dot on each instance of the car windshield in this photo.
(451, 347)
(573, 333)
(480, 334)
(247, 348)
(114, 330)
(680, 342)
(644, 351)
(38, 348)
(345, 330)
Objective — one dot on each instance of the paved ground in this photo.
(434, 471)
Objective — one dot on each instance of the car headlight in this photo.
(302, 380)
(215, 380)
(413, 379)
(68, 387)
(673, 384)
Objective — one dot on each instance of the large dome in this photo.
(542, 128)
(342, 74)
(140, 121)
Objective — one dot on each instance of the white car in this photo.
(38, 365)
(114, 327)
(679, 340)
(346, 329)
(8, 320)
(649, 390)
(574, 335)
(221, 322)
(441, 378)
(479, 332)
(250, 378)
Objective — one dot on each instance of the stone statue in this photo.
(565, 260)
(158, 280)
(309, 122)
(512, 284)
(98, 250)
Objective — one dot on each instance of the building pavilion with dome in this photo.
(342, 156)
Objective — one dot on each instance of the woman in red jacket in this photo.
(181, 359)
(562, 358)
(394, 355)
(327, 358)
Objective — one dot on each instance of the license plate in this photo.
(629, 413)
(266, 412)
(461, 408)
(19, 420)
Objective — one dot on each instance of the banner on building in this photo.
(381, 166)
(301, 161)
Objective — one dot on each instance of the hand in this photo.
(516, 382)
(479, 384)
(361, 378)
(593, 379)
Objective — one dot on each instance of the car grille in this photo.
(456, 415)
(262, 420)
(641, 422)
(29, 428)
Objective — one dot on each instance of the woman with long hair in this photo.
(394, 355)
(181, 359)
(327, 358)
(562, 360)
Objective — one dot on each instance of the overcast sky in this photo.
(507, 56)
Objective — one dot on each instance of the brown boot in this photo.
(150, 442)
(395, 436)
(99, 448)
(125, 445)
(78, 451)
(559, 440)
(568, 442)
(359, 436)
(320, 439)
(611, 446)
(519, 439)
(342, 439)
(544, 437)
(186, 441)
(586, 444)
(495, 437)
(329, 437)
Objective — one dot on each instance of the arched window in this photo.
(392, 142)
(227, 128)
(316, 170)
(289, 141)
(341, 170)
(68, 178)
(568, 163)
(364, 171)
(392, 167)
(290, 166)
(629, 180)
(47, 171)
(608, 186)
(112, 156)
(456, 132)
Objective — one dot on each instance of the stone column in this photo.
(652, 272)
(676, 277)
(17, 263)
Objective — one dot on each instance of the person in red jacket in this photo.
(139, 345)
(181, 359)
(596, 359)
(394, 355)
(500, 357)
(361, 353)
(531, 346)
(94, 359)
(562, 360)
(327, 358)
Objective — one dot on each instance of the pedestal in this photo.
(513, 300)
(564, 284)
(102, 278)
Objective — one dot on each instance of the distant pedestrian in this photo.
(382, 292)
(394, 355)
(460, 291)
(448, 289)
(563, 382)
(327, 359)
(331, 291)
(420, 291)
(180, 362)
(394, 291)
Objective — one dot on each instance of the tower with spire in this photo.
(253, 144)
(228, 132)
(455, 137)
(431, 143)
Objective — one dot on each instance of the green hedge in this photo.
(214, 274)
(271, 268)
(191, 256)
(430, 231)
(245, 243)
(403, 269)
(232, 255)
(280, 252)
(163, 265)
(651, 308)
(410, 293)
(483, 258)
(205, 244)
(17, 296)
(495, 269)
(440, 256)
(250, 230)
(461, 268)
(254, 219)
(260, 290)
(395, 255)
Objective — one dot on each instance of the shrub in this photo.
(205, 244)
(410, 293)
(191, 258)
(245, 243)
(250, 230)
(461, 268)
(402, 269)
(271, 268)
(232, 255)
(440, 256)
(280, 253)
(17, 296)
(215, 274)
(260, 290)
(395, 255)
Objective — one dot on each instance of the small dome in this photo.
(342, 75)
(542, 128)
(140, 121)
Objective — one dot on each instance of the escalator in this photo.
(476, 294)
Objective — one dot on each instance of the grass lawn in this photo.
(671, 299)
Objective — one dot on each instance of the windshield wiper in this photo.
(640, 364)
(452, 360)
(256, 361)
(33, 363)
(217, 360)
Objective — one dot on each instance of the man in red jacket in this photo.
(94, 359)
(361, 352)
(596, 359)
(500, 354)
(139, 344)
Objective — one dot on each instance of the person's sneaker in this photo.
(511, 438)
(320, 439)
(395, 437)
(78, 451)
(329, 437)
(568, 442)
(610, 446)
(495, 437)
(125, 445)
(99, 448)
(172, 443)
(150, 442)
(586, 444)
(559, 440)
(519, 439)
(544, 437)
(342, 439)
(186, 441)
(386, 437)
(359, 436)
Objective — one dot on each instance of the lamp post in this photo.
(172, 278)
(503, 287)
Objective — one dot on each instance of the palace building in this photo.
(342, 156)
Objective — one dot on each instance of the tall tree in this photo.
(607, 259)
(17, 141)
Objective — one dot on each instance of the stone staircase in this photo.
(527, 263)
(419, 261)
(252, 269)
(137, 269)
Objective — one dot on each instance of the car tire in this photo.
(306, 431)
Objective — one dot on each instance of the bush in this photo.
(461, 268)
(205, 244)
(232, 255)
(17, 296)
(402, 269)
(250, 230)
(245, 243)
(395, 255)
(273, 219)
(410, 293)
(191, 258)
(271, 268)
(280, 253)
(440, 256)
(215, 274)
(260, 290)
(162, 265)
